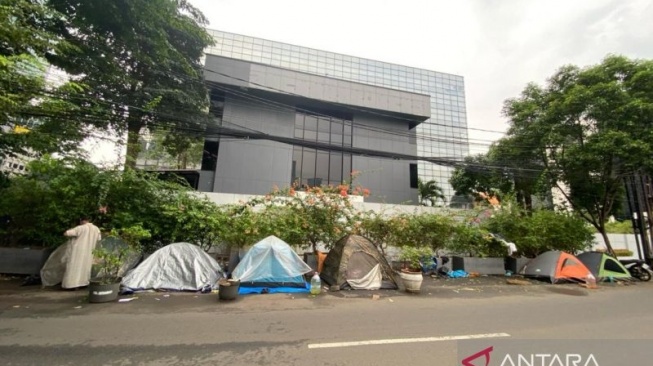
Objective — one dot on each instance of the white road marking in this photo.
(407, 340)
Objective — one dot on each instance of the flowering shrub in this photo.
(301, 216)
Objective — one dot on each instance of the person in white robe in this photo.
(71, 263)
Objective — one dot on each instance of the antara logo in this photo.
(548, 359)
(536, 359)
(486, 352)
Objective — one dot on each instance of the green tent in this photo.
(603, 266)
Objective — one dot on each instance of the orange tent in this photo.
(557, 266)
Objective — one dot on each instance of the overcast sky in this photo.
(498, 46)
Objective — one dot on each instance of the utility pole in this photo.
(639, 192)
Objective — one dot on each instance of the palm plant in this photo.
(430, 192)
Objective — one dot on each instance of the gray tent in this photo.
(354, 262)
(556, 266)
(179, 266)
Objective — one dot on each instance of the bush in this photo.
(541, 230)
(55, 194)
(50, 199)
(411, 256)
(619, 227)
(623, 252)
(473, 241)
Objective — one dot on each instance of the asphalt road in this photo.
(49, 327)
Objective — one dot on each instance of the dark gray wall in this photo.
(322, 88)
(387, 179)
(216, 68)
(254, 166)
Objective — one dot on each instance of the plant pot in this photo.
(412, 281)
(98, 292)
(228, 289)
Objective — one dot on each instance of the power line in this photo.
(451, 162)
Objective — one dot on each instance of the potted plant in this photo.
(411, 273)
(106, 286)
(108, 263)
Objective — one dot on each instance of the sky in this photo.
(498, 46)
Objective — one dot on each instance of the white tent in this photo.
(53, 270)
(179, 266)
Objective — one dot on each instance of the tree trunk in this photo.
(528, 201)
(606, 240)
(133, 146)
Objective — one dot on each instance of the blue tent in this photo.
(271, 266)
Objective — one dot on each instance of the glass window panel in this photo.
(310, 135)
(310, 123)
(335, 167)
(308, 165)
(346, 166)
(323, 136)
(336, 139)
(297, 163)
(324, 125)
(348, 138)
(322, 166)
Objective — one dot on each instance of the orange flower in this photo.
(343, 193)
(366, 192)
(291, 191)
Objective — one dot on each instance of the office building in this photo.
(327, 114)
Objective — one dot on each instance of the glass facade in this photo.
(313, 167)
(444, 135)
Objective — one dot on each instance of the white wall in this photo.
(618, 241)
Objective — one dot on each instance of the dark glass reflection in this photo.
(312, 167)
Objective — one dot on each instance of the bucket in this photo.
(228, 289)
(98, 293)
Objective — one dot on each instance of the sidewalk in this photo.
(35, 301)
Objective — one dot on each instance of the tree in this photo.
(589, 128)
(478, 174)
(508, 168)
(169, 150)
(430, 192)
(141, 60)
(521, 168)
(35, 116)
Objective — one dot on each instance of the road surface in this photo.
(346, 328)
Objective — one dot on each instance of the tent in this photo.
(271, 266)
(556, 266)
(354, 262)
(178, 266)
(604, 266)
(53, 270)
